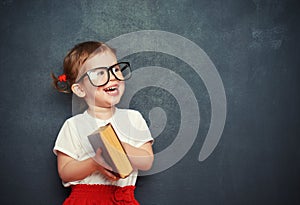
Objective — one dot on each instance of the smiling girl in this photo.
(92, 72)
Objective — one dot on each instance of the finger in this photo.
(99, 151)
(103, 164)
(101, 160)
(106, 166)
(110, 176)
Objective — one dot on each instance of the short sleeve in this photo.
(144, 134)
(132, 128)
(67, 140)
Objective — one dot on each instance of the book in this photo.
(113, 152)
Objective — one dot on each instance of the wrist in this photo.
(94, 165)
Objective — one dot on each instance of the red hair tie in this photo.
(62, 78)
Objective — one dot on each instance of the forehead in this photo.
(103, 59)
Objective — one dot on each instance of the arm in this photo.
(70, 169)
(140, 157)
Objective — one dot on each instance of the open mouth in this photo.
(111, 89)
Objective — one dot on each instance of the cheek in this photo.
(122, 88)
(91, 91)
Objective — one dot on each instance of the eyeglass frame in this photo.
(108, 75)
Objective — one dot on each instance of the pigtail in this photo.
(74, 61)
(61, 83)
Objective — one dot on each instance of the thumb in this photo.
(99, 151)
(100, 159)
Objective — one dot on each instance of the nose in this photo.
(111, 75)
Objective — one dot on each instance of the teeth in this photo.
(110, 89)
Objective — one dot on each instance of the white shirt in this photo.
(72, 140)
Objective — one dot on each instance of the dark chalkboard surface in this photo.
(253, 47)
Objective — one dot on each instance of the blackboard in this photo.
(253, 47)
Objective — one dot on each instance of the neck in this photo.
(101, 112)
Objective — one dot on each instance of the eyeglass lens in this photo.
(100, 76)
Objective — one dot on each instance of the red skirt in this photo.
(84, 194)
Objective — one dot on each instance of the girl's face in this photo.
(104, 96)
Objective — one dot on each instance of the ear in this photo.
(78, 90)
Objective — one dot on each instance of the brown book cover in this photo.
(112, 150)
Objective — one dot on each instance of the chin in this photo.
(112, 102)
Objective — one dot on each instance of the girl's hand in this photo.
(103, 167)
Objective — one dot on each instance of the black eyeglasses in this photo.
(100, 76)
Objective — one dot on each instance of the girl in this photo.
(91, 72)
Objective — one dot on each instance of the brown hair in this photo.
(74, 60)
